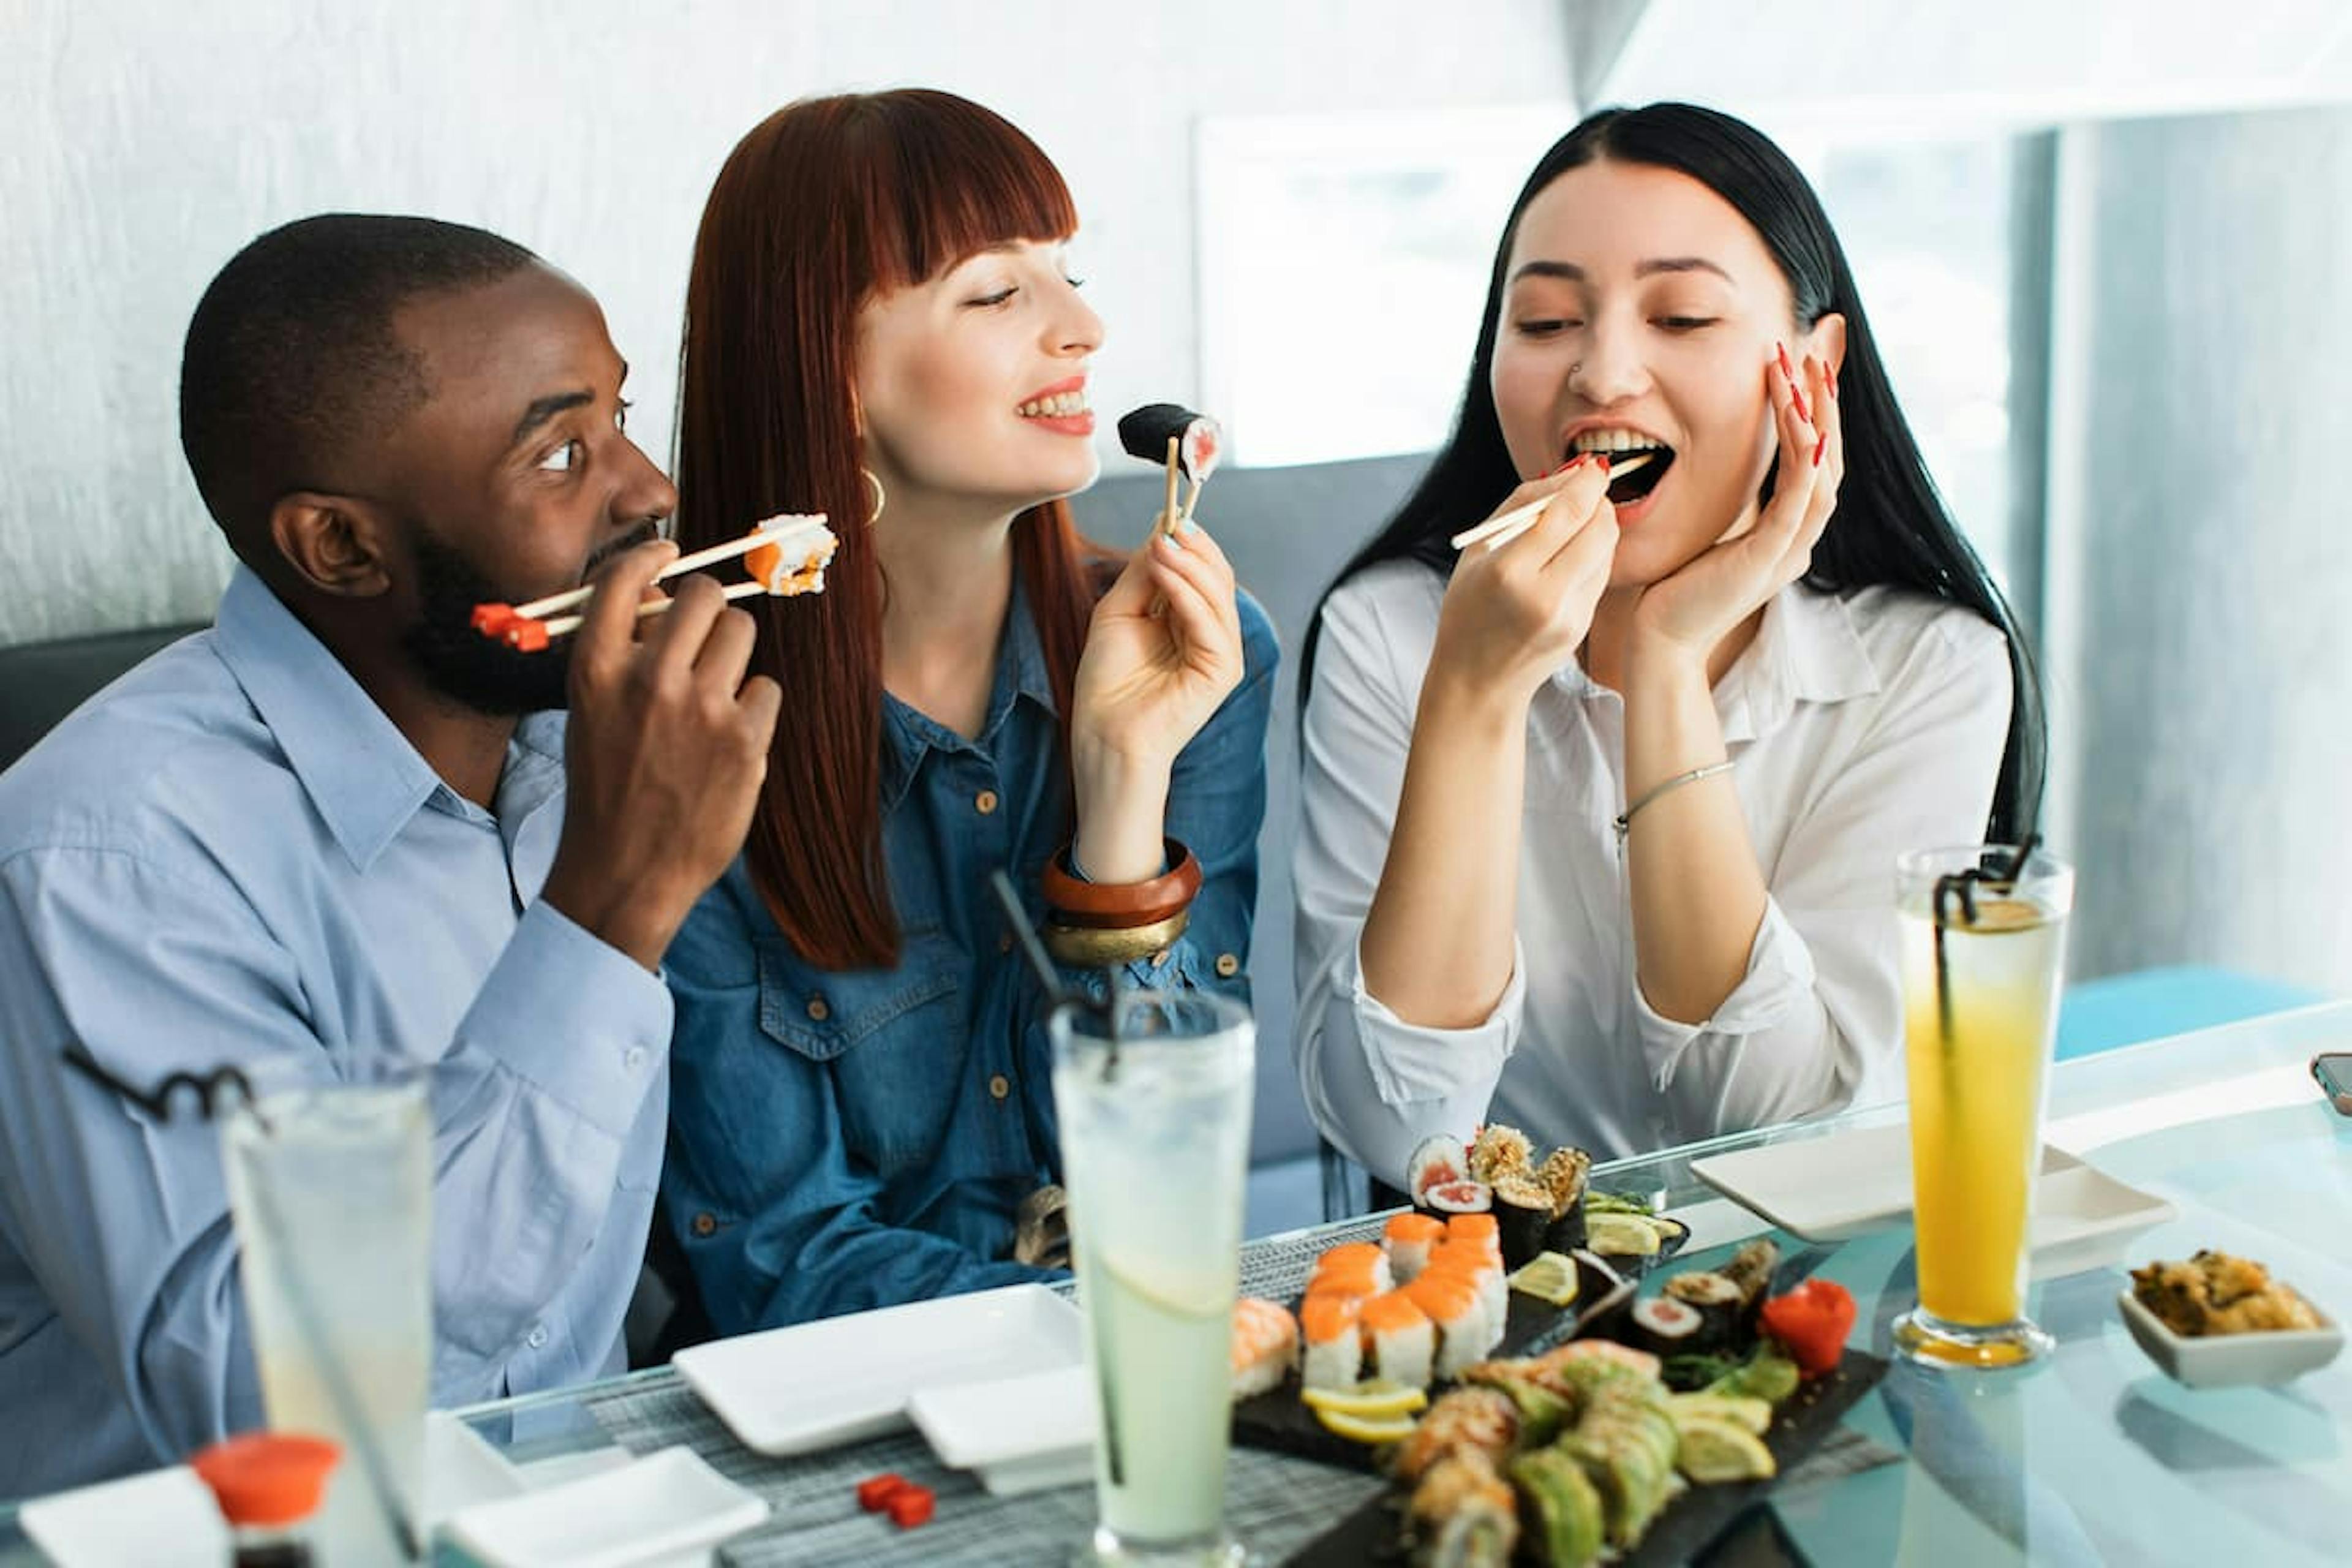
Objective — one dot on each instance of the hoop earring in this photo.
(880, 499)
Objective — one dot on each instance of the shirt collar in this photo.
(1806, 650)
(908, 735)
(360, 772)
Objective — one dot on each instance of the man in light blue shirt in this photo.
(340, 821)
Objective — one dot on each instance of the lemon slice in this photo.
(1620, 1235)
(1548, 1277)
(1714, 1451)
(1357, 1429)
(1748, 1415)
(1375, 1401)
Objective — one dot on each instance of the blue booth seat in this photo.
(2150, 1004)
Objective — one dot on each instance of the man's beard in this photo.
(459, 663)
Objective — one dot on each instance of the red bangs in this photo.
(940, 178)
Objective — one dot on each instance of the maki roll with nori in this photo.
(1523, 1215)
(1728, 1318)
(1145, 433)
(1436, 1160)
(1665, 1327)
(1565, 1174)
(1498, 1151)
(1752, 1269)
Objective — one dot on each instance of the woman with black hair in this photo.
(1600, 817)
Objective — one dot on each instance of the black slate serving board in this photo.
(1372, 1534)
(1605, 1288)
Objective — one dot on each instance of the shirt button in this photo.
(537, 1336)
(1228, 966)
(705, 1224)
(635, 1059)
(999, 1087)
(1004, 943)
(985, 803)
(817, 1010)
(1160, 959)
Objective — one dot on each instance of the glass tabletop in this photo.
(2091, 1455)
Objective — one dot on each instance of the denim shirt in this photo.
(845, 1140)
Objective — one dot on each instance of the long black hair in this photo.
(1890, 527)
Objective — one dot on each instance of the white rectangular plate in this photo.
(1019, 1434)
(840, 1380)
(164, 1516)
(665, 1508)
(1851, 1184)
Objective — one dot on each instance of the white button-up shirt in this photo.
(1863, 726)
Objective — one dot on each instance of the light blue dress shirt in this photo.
(231, 854)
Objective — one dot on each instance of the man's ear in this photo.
(332, 544)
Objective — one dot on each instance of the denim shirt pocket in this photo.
(892, 1040)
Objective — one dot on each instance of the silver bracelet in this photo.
(1626, 822)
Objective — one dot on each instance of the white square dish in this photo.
(667, 1508)
(2230, 1361)
(162, 1516)
(1851, 1184)
(1017, 1434)
(797, 1389)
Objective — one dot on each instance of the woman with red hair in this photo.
(880, 327)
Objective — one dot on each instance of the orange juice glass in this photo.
(1984, 940)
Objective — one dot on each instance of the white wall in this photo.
(151, 140)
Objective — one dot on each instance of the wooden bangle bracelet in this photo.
(1115, 906)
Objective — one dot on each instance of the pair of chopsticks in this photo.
(508, 622)
(1171, 518)
(1497, 532)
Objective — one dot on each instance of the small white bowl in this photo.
(2231, 1360)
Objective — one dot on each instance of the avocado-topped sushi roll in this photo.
(1560, 1511)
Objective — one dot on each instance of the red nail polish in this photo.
(1602, 459)
(1819, 450)
(1785, 368)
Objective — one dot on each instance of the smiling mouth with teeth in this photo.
(1619, 445)
(1061, 406)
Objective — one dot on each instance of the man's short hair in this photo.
(292, 353)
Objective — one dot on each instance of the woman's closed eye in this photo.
(1683, 323)
(1544, 326)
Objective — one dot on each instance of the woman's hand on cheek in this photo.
(1686, 614)
(1515, 615)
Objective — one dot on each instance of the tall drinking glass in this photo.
(330, 1189)
(1984, 940)
(1154, 1106)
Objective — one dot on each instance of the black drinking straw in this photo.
(1960, 887)
(1058, 996)
(212, 1091)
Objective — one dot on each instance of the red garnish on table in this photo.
(873, 1496)
(1812, 1321)
(911, 1505)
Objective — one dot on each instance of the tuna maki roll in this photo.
(1145, 433)
(1436, 1160)
(1727, 1320)
(1665, 1327)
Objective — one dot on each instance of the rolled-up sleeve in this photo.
(1374, 1084)
(1816, 1022)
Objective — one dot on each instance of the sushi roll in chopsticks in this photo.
(1145, 433)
